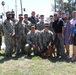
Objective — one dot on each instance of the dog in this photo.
(49, 52)
(51, 48)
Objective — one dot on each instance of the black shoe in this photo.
(28, 56)
(24, 53)
(17, 54)
(8, 55)
(66, 58)
(58, 55)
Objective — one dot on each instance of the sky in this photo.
(39, 6)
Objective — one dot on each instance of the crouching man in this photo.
(33, 41)
(47, 38)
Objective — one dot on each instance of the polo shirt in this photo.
(57, 25)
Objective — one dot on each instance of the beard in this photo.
(8, 18)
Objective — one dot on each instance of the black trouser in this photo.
(60, 46)
(23, 42)
(74, 39)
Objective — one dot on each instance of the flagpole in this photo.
(16, 7)
(21, 7)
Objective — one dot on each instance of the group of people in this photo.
(32, 34)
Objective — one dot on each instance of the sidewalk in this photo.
(3, 46)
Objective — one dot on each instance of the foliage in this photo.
(68, 6)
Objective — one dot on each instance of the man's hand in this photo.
(12, 35)
(69, 37)
(41, 47)
(17, 38)
(54, 34)
(62, 36)
(33, 46)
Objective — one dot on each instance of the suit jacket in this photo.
(33, 20)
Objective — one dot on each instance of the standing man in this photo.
(58, 27)
(20, 35)
(33, 19)
(27, 24)
(51, 23)
(73, 23)
(63, 16)
(40, 25)
(8, 34)
(33, 41)
(13, 17)
(14, 21)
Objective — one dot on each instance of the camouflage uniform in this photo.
(14, 38)
(40, 25)
(46, 38)
(51, 23)
(14, 20)
(33, 38)
(1, 30)
(8, 30)
(27, 26)
(20, 35)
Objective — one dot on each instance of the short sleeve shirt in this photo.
(73, 22)
(57, 26)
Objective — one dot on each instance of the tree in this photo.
(70, 6)
(59, 5)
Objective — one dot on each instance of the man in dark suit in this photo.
(33, 19)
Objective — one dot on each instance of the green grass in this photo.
(36, 66)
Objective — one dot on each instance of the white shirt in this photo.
(73, 22)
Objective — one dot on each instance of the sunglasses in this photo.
(55, 15)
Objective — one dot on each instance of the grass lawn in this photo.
(36, 66)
